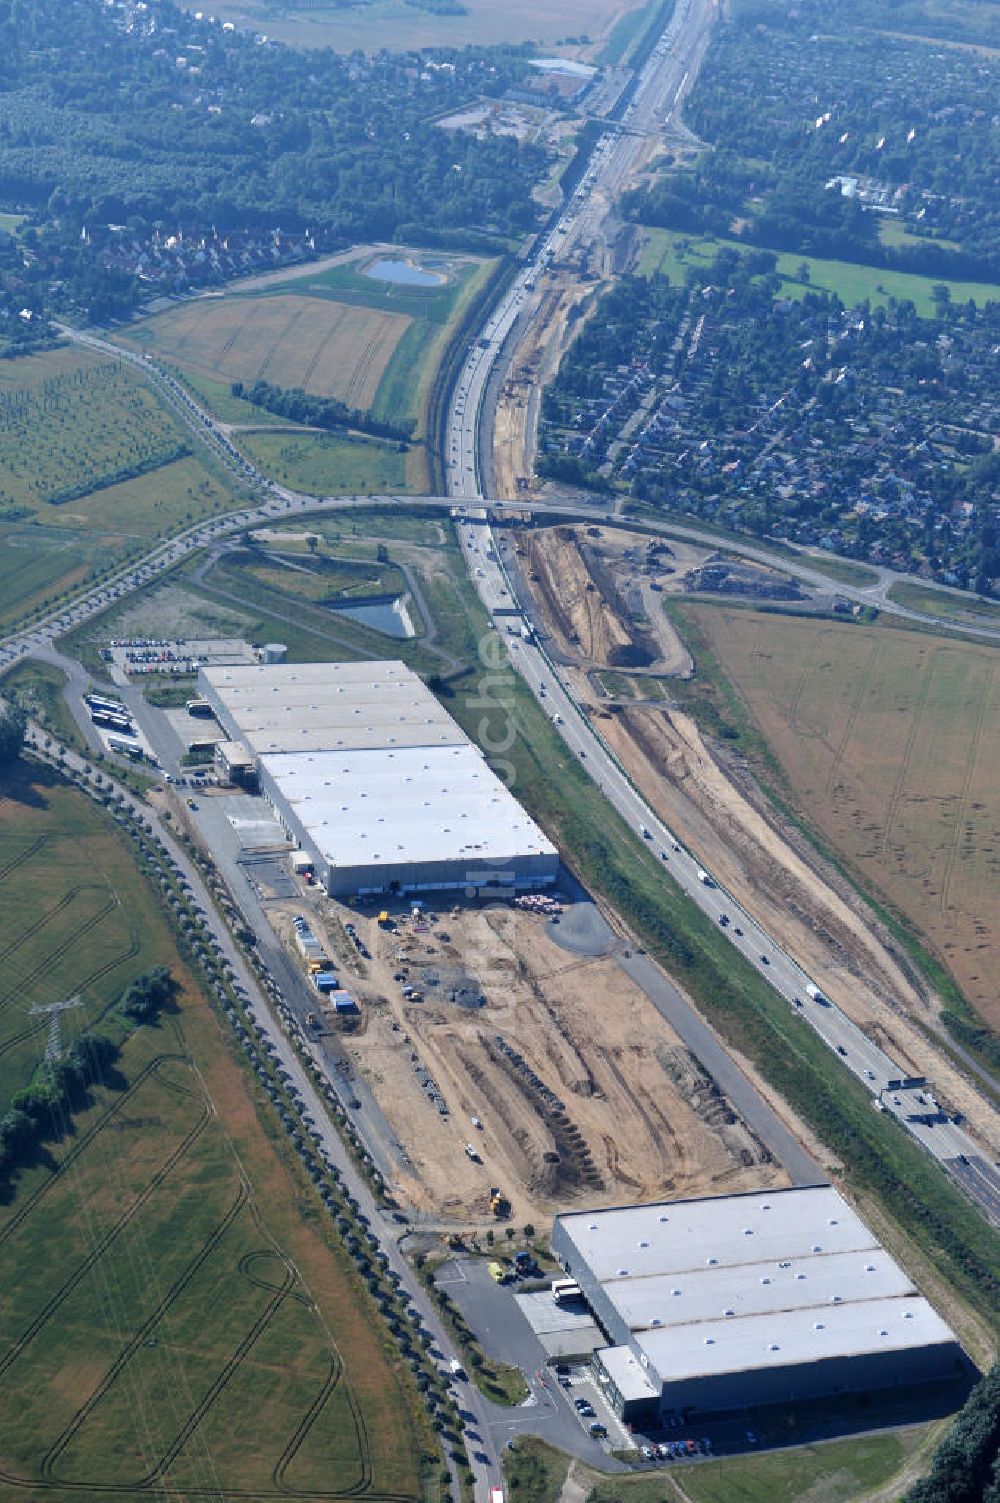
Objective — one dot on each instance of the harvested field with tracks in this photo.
(890, 742)
(617, 1111)
(178, 1319)
(331, 349)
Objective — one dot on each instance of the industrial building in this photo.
(373, 779)
(735, 1301)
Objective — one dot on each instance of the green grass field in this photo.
(968, 612)
(218, 397)
(177, 1318)
(324, 465)
(844, 570)
(400, 27)
(839, 1471)
(323, 578)
(675, 253)
(36, 563)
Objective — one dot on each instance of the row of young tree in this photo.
(298, 406)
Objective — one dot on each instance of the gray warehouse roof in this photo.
(300, 707)
(848, 1330)
(723, 1231)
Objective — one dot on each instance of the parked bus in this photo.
(112, 722)
(111, 706)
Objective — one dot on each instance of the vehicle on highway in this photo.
(764, 960)
(597, 1430)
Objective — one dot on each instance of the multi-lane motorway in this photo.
(653, 99)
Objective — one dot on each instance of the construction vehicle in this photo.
(499, 1204)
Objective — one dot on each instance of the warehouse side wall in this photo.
(815, 1379)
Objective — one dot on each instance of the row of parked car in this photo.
(673, 1450)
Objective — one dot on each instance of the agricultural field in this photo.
(675, 253)
(889, 743)
(176, 1317)
(396, 25)
(327, 348)
(335, 332)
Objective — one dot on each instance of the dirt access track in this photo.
(707, 797)
(581, 1089)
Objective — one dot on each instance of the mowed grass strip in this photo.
(889, 742)
(175, 1306)
(837, 1471)
(325, 347)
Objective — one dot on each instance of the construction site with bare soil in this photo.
(598, 596)
(518, 1076)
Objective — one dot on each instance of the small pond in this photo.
(404, 273)
(386, 614)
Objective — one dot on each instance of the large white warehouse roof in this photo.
(731, 1284)
(401, 805)
(367, 769)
